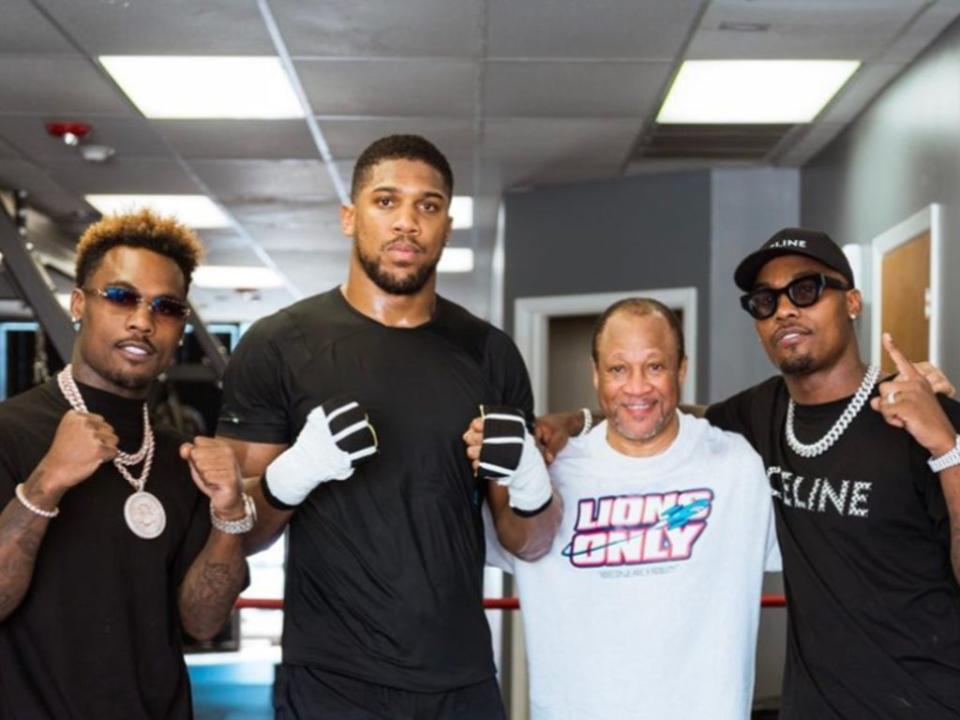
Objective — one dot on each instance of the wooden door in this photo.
(905, 298)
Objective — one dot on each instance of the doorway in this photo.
(905, 290)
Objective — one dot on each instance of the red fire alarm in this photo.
(70, 131)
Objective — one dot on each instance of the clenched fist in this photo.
(82, 442)
(216, 472)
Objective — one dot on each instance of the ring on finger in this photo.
(891, 397)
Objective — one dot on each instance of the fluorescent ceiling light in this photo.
(205, 87)
(238, 277)
(456, 260)
(461, 210)
(196, 211)
(753, 91)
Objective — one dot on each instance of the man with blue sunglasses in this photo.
(106, 547)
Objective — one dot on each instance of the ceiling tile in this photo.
(923, 31)
(163, 27)
(130, 137)
(381, 28)
(24, 30)
(638, 29)
(239, 139)
(434, 88)
(6, 149)
(59, 85)
(347, 137)
(252, 179)
(573, 89)
(282, 225)
(124, 176)
(814, 29)
(542, 141)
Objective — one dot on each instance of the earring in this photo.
(76, 324)
(853, 317)
(180, 344)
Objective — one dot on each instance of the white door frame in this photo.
(531, 322)
(929, 219)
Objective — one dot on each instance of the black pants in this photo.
(303, 693)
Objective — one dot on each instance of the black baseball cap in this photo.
(793, 241)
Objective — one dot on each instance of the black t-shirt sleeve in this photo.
(254, 398)
(732, 414)
(750, 412)
(928, 482)
(509, 373)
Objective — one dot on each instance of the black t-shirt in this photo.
(874, 609)
(98, 633)
(384, 569)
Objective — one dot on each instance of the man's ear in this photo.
(77, 303)
(854, 303)
(348, 219)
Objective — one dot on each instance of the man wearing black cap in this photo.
(867, 500)
(867, 503)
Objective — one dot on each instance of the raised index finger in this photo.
(904, 366)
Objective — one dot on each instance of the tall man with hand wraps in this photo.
(106, 546)
(383, 613)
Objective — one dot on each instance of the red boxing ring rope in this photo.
(501, 603)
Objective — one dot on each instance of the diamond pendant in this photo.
(145, 515)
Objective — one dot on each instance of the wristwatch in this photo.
(236, 527)
(948, 459)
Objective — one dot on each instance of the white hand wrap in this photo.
(336, 437)
(510, 456)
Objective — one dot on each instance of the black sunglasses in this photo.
(166, 307)
(803, 292)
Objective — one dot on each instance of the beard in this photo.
(128, 381)
(658, 427)
(799, 365)
(389, 283)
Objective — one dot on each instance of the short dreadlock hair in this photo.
(140, 229)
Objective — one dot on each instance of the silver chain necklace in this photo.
(143, 512)
(834, 433)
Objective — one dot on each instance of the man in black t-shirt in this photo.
(867, 499)
(348, 409)
(106, 550)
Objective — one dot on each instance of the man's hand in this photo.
(83, 441)
(508, 455)
(553, 431)
(909, 402)
(938, 381)
(473, 439)
(216, 472)
(335, 439)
